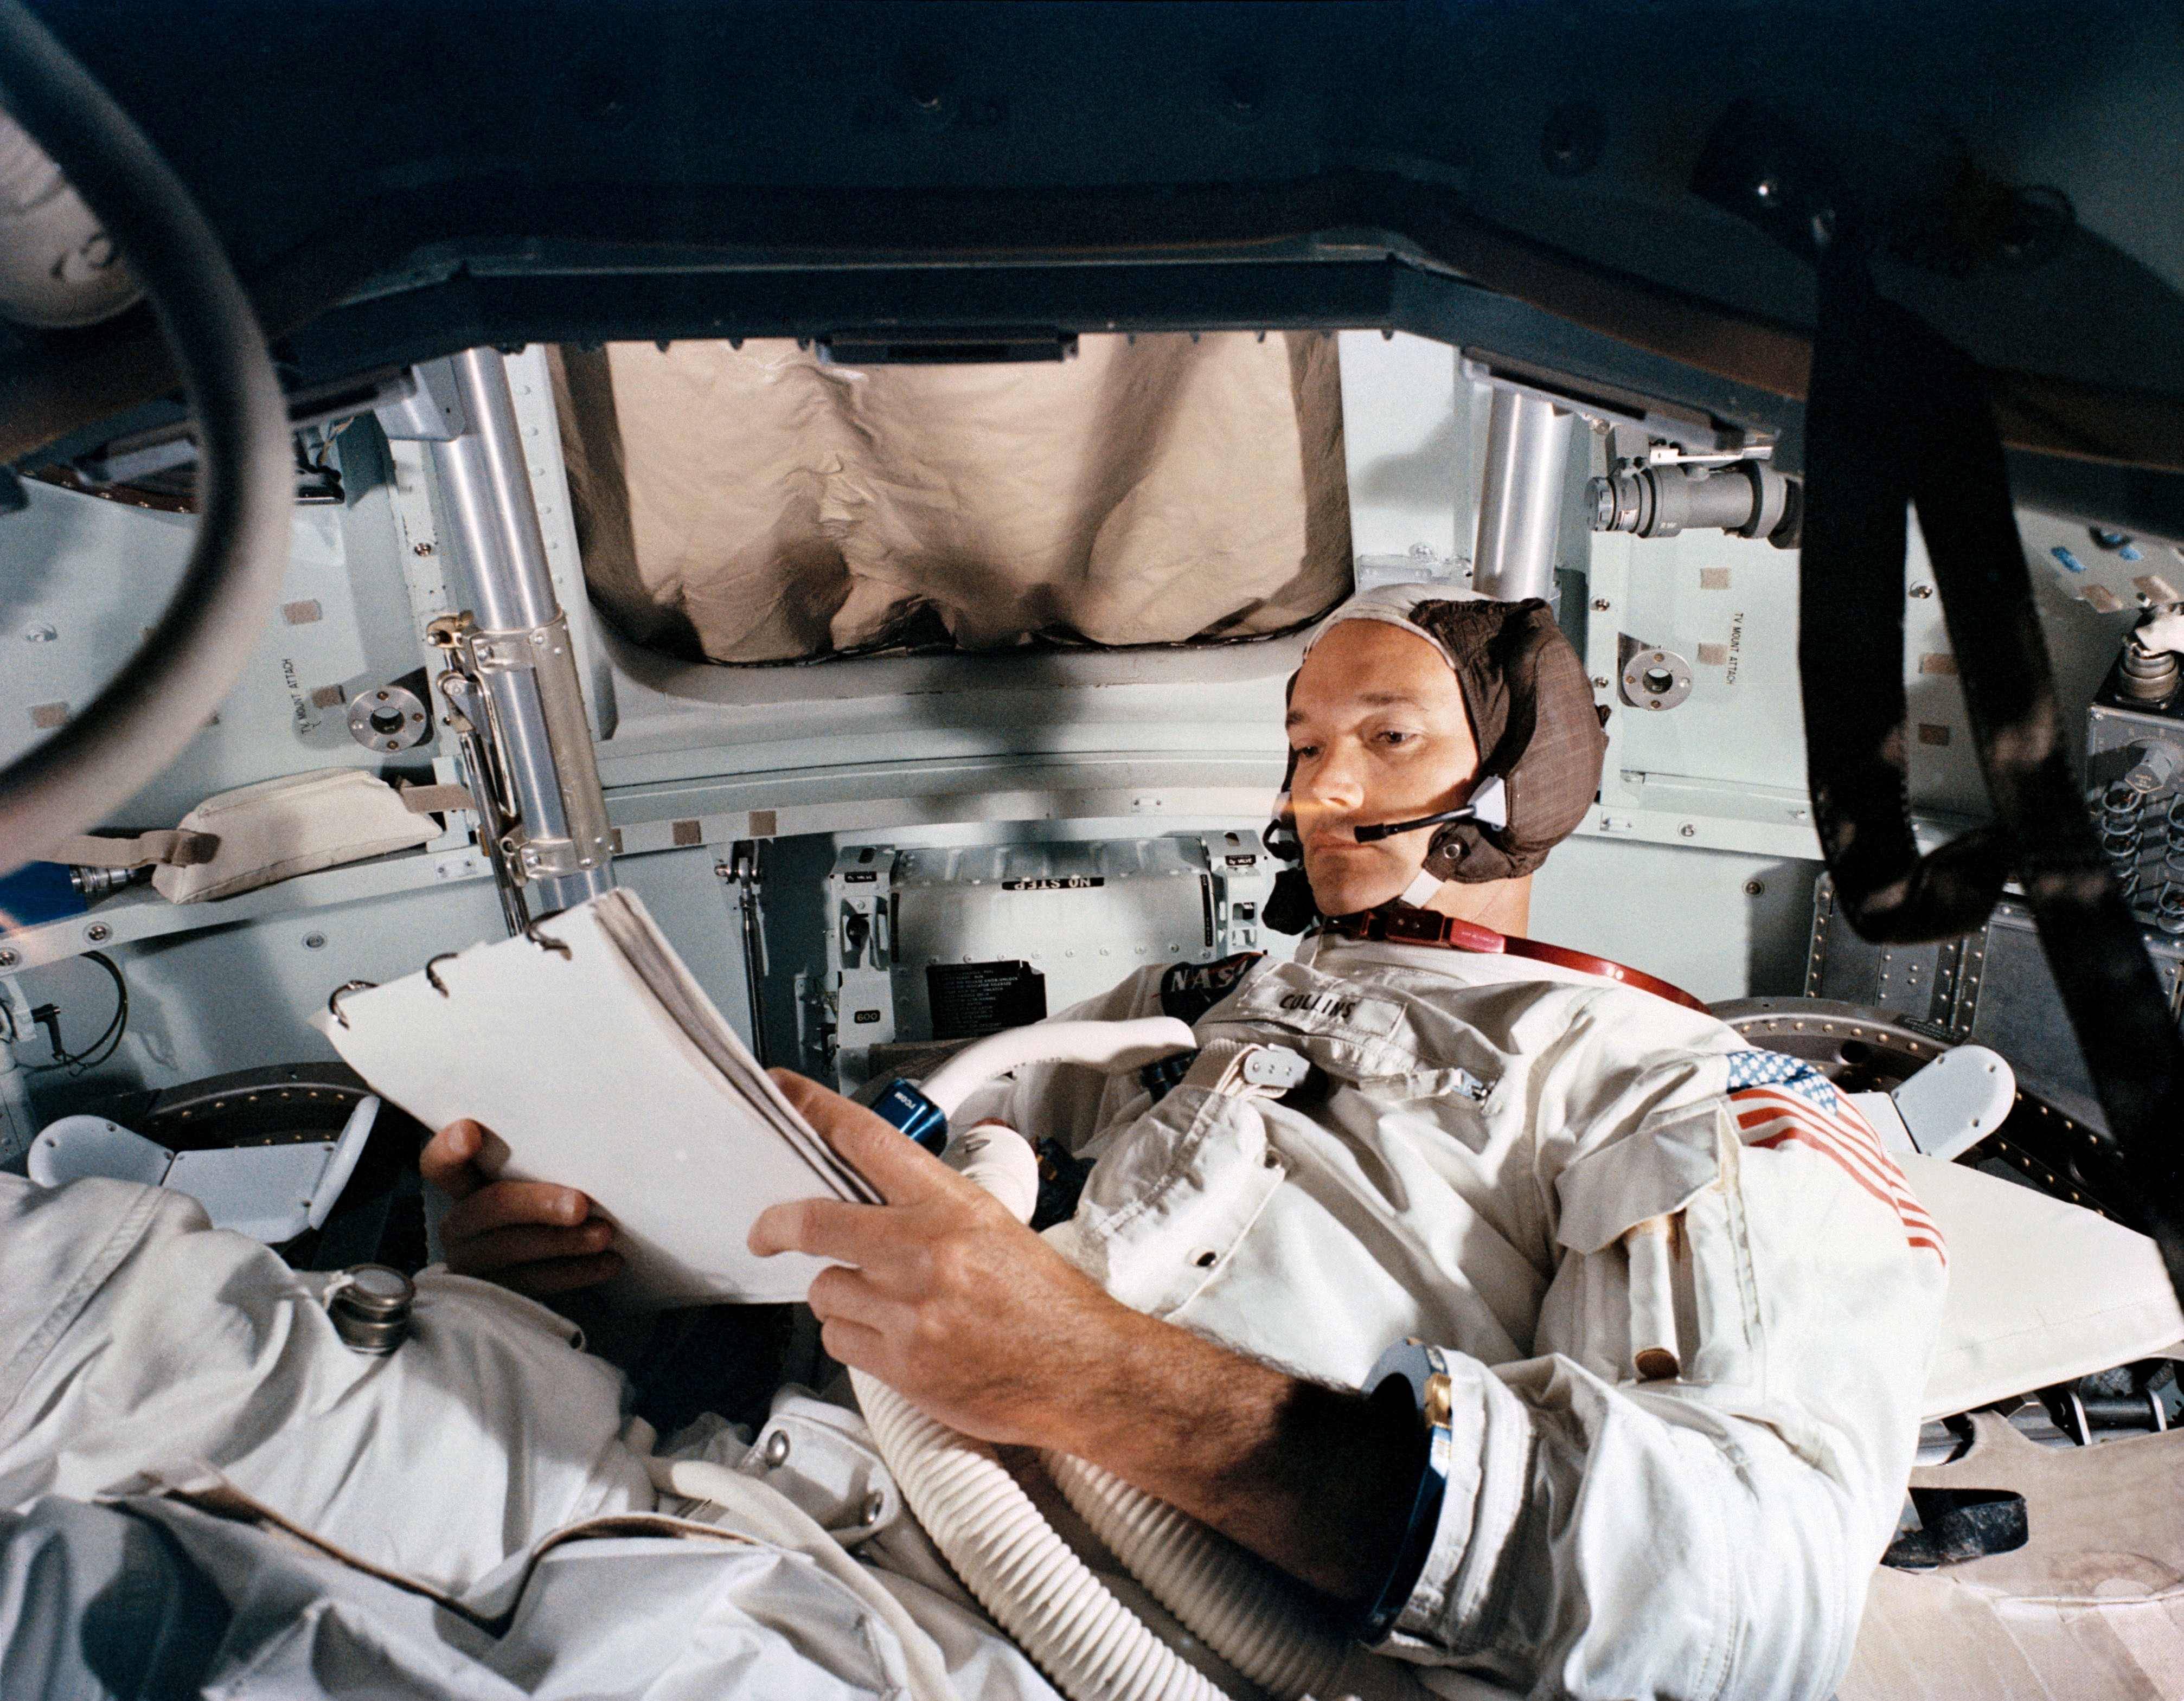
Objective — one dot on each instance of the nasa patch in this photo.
(1190, 990)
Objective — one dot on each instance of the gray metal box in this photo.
(940, 943)
(1992, 987)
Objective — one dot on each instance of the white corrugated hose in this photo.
(1092, 1645)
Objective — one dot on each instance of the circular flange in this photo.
(1861, 1050)
(391, 717)
(1656, 679)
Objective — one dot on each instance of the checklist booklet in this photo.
(597, 1062)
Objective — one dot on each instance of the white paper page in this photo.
(629, 926)
(585, 1082)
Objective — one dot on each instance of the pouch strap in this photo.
(167, 848)
(436, 800)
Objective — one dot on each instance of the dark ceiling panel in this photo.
(398, 178)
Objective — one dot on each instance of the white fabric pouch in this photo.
(280, 828)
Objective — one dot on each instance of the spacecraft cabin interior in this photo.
(870, 509)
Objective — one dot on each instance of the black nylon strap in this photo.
(1898, 414)
(1896, 418)
(1959, 1524)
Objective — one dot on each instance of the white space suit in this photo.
(496, 1529)
(1479, 1135)
(1491, 1128)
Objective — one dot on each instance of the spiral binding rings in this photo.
(333, 998)
(544, 941)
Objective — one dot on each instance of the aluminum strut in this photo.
(1520, 497)
(524, 701)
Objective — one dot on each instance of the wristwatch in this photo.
(1417, 1375)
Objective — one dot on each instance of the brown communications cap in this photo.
(1532, 713)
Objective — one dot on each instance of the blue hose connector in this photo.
(901, 1103)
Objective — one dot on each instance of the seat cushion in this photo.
(2040, 1290)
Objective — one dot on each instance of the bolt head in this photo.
(1600, 681)
(1922, 591)
(1600, 605)
(1688, 830)
(9, 959)
(1752, 888)
(423, 548)
(98, 933)
(315, 941)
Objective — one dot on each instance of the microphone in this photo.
(1489, 804)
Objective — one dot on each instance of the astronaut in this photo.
(1677, 1300)
(1672, 1301)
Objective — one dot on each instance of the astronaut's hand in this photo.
(952, 1301)
(940, 1292)
(534, 1237)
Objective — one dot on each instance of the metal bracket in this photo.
(428, 407)
(499, 653)
(499, 830)
(1969, 960)
(1667, 455)
(741, 870)
(1701, 435)
(525, 647)
(547, 858)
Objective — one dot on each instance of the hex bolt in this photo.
(98, 933)
(10, 957)
(1922, 591)
(1600, 681)
(1688, 830)
(1601, 605)
(423, 548)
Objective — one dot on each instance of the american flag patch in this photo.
(1780, 1101)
